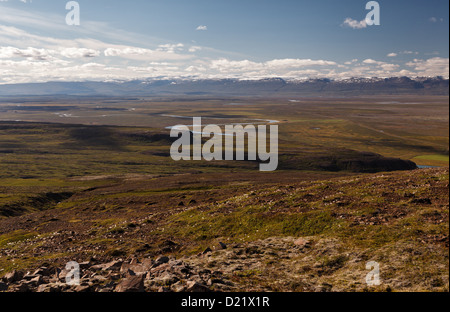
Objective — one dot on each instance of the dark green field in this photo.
(410, 128)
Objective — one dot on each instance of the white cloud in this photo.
(79, 52)
(349, 22)
(351, 62)
(24, 69)
(371, 62)
(294, 63)
(285, 68)
(409, 52)
(51, 23)
(28, 53)
(167, 53)
(171, 48)
(129, 51)
(195, 69)
(406, 52)
(27, 56)
(82, 47)
(224, 65)
(202, 28)
(47, 54)
(383, 66)
(435, 19)
(436, 66)
(389, 67)
(194, 49)
(276, 65)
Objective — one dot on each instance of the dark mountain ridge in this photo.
(233, 87)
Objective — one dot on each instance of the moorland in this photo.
(90, 179)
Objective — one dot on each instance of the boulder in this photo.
(85, 265)
(136, 268)
(302, 243)
(178, 287)
(21, 287)
(110, 266)
(206, 251)
(52, 287)
(12, 277)
(82, 288)
(325, 287)
(193, 286)
(43, 271)
(167, 278)
(161, 260)
(36, 281)
(131, 284)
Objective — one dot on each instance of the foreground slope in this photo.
(296, 236)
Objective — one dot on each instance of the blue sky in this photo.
(245, 39)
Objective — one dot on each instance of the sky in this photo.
(213, 39)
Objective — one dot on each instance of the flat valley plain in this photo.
(91, 179)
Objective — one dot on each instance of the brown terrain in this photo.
(91, 180)
(163, 234)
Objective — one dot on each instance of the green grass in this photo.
(253, 217)
(57, 151)
(437, 160)
(441, 158)
(15, 237)
(249, 222)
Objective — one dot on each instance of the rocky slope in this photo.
(307, 236)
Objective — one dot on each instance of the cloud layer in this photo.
(27, 56)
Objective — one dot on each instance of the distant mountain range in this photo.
(274, 87)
